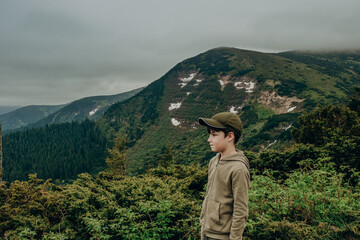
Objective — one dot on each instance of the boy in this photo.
(225, 207)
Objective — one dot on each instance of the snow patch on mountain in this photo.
(249, 86)
(234, 109)
(93, 112)
(291, 109)
(175, 122)
(288, 127)
(184, 81)
(174, 106)
(270, 144)
(223, 80)
(198, 81)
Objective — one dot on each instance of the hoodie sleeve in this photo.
(240, 188)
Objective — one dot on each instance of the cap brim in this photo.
(210, 123)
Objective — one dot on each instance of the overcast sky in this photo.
(57, 51)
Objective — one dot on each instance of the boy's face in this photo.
(217, 141)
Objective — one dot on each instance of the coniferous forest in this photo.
(308, 191)
(59, 151)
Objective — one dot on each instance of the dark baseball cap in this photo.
(224, 120)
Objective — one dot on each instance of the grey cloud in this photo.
(57, 51)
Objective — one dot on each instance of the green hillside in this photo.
(26, 115)
(61, 145)
(86, 108)
(343, 66)
(269, 91)
(6, 109)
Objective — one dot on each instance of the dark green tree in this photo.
(167, 156)
(58, 151)
(335, 130)
(354, 101)
(325, 124)
(116, 160)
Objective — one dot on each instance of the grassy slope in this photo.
(149, 133)
(79, 110)
(26, 115)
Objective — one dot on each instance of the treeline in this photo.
(59, 151)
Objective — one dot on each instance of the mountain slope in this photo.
(26, 115)
(61, 150)
(344, 66)
(86, 108)
(6, 109)
(268, 91)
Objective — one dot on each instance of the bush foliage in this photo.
(165, 203)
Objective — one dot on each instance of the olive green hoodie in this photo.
(225, 207)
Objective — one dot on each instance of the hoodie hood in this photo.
(239, 156)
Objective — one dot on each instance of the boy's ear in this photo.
(231, 136)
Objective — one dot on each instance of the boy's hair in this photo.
(226, 131)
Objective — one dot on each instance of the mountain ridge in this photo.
(91, 107)
(23, 116)
(5, 109)
(267, 90)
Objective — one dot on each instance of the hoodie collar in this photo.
(238, 156)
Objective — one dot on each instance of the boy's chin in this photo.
(214, 150)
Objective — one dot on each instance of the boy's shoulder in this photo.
(238, 161)
(214, 159)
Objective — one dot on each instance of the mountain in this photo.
(62, 145)
(268, 91)
(159, 122)
(24, 116)
(86, 108)
(6, 109)
(343, 66)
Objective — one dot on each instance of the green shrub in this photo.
(310, 204)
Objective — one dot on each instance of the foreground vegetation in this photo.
(308, 191)
(312, 203)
